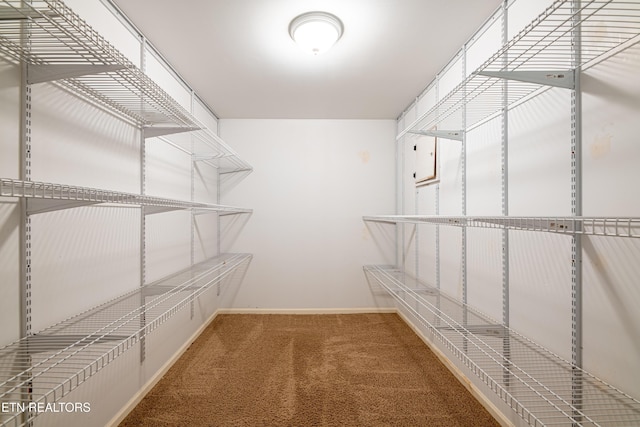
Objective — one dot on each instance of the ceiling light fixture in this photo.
(316, 32)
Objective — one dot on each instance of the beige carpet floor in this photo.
(308, 370)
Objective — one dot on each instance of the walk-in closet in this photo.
(428, 218)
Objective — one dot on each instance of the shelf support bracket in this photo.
(555, 78)
(37, 73)
(456, 135)
(153, 131)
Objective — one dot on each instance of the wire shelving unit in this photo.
(534, 382)
(45, 197)
(55, 361)
(541, 55)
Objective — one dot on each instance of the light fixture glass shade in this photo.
(316, 32)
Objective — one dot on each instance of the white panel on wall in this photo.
(100, 18)
(205, 183)
(451, 77)
(427, 101)
(426, 200)
(448, 81)
(484, 169)
(168, 244)
(410, 261)
(313, 181)
(80, 258)
(522, 12)
(401, 124)
(409, 117)
(487, 42)
(540, 288)
(156, 69)
(610, 158)
(451, 261)
(450, 177)
(410, 168)
(409, 207)
(168, 235)
(427, 236)
(9, 270)
(610, 136)
(78, 144)
(540, 155)
(484, 267)
(9, 120)
(610, 310)
(168, 171)
(206, 236)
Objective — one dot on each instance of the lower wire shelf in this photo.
(541, 387)
(42, 368)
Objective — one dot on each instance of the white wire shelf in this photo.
(595, 226)
(46, 197)
(540, 55)
(541, 387)
(46, 366)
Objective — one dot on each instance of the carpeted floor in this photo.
(308, 370)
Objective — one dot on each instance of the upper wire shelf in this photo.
(45, 367)
(45, 197)
(542, 54)
(595, 226)
(539, 386)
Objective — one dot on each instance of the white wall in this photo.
(313, 180)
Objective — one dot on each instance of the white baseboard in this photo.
(460, 376)
(307, 310)
(133, 402)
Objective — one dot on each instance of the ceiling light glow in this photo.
(316, 32)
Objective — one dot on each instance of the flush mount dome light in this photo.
(316, 32)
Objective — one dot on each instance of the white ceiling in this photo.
(238, 56)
